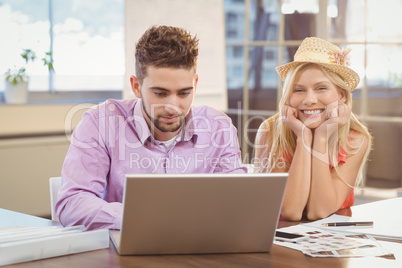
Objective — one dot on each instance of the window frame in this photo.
(322, 29)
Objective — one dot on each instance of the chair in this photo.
(54, 184)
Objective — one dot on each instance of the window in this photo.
(238, 52)
(269, 55)
(86, 38)
(89, 45)
(24, 25)
(272, 31)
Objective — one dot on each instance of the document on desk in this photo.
(379, 229)
(327, 243)
(23, 243)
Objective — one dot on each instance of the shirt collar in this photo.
(188, 132)
(140, 125)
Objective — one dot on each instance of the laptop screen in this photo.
(200, 213)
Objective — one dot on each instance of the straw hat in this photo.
(319, 51)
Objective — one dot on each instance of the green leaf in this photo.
(48, 61)
(28, 55)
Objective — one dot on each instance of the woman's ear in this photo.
(135, 86)
(342, 96)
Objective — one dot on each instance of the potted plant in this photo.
(16, 84)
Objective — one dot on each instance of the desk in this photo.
(278, 257)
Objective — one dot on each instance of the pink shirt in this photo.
(113, 139)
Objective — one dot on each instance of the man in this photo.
(161, 132)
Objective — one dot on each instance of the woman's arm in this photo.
(328, 191)
(298, 185)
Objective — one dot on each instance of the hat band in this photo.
(313, 57)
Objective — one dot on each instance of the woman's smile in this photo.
(312, 113)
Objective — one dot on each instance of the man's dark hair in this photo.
(165, 46)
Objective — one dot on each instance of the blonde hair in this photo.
(282, 141)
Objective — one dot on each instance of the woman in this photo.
(315, 137)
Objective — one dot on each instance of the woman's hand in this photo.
(337, 114)
(291, 120)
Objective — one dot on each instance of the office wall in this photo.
(33, 145)
(27, 165)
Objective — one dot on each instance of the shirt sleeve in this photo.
(230, 160)
(84, 180)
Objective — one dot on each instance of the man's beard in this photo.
(165, 127)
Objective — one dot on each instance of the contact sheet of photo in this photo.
(321, 243)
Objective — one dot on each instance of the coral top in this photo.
(350, 199)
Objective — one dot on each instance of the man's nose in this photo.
(172, 106)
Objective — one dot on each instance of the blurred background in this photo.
(241, 43)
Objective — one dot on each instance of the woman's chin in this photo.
(313, 124)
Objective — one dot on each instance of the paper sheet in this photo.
(380, 229)
(22, 243)
(323, 243)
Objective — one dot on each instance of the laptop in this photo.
(199, 213)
